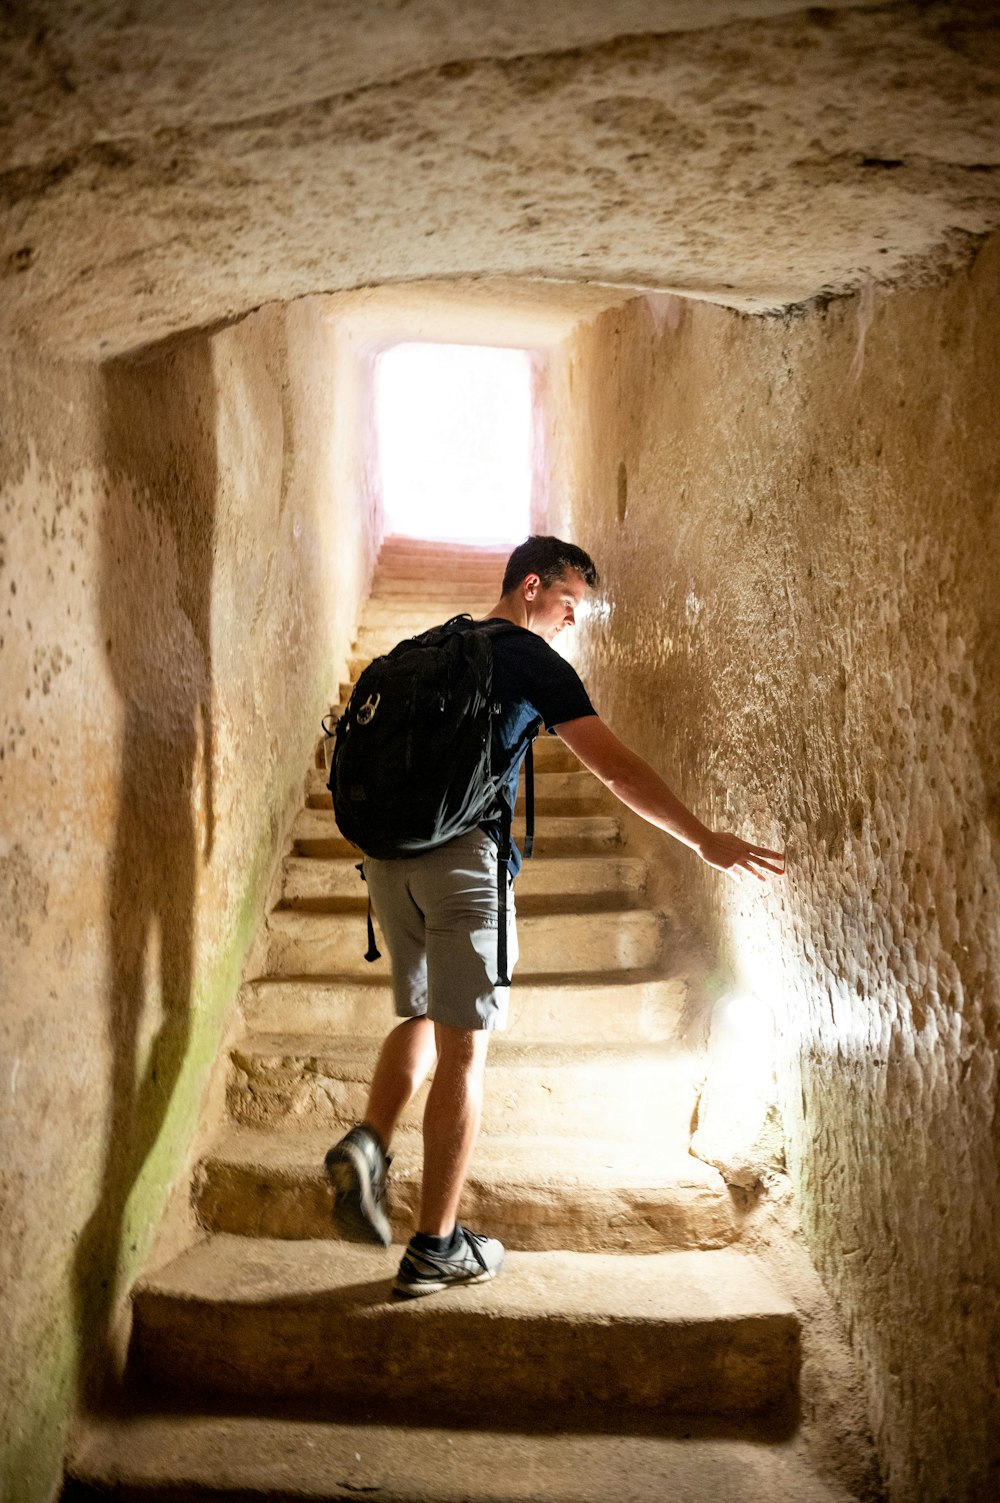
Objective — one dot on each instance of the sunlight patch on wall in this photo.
(454, 430)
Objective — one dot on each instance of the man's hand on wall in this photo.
(728, 853)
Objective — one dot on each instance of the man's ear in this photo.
(530, 585)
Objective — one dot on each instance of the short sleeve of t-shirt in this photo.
(527, 671)
(531, 682)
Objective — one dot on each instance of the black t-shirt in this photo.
(532, 682)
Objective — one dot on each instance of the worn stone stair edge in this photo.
(691, 1289)
(629, 938)
(542, 1160)
(290, 921)
(535, 1194)
(378, 984)
(650, 1007)
(586, 834)
(286, 1098)
(504, 1051)
(556, 869)
(283, 1082)
(643, 987)
(550, 752)
(174, 1456)
(702, 1332)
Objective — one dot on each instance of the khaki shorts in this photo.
(438, 916)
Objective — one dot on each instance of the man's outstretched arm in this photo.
(632, 780)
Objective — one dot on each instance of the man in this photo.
(438, 914)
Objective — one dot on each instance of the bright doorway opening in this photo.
(454, 435)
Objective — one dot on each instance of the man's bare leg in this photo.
(357, 1166)
(451, 1124)
(403, 1065)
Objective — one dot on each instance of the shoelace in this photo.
(474, 1239)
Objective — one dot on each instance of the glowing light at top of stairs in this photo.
(455, 441)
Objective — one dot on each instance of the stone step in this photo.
(598, 1009)
(376, 642)
(401, 542)
(427, 591)
(461, 585)
(251, 1320)
(375, 638)
(326, 944)
(438, 574)
(397, 618)
(580, 883)
(564, 792)
(533, 1193)
(156, 1457)
(485, 572)
(435, 562)
(551, 754)
(642, 1093)
(315, 833)
(363, 653)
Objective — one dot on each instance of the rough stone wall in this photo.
(178, 583)
(799, 625)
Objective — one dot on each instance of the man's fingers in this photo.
(752, 858)
(779, 871)
(762, 850)
(746, 858)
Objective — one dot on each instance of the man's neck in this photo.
(509, 610)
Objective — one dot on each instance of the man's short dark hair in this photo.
(549, 558)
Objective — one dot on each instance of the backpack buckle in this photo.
(366, 714)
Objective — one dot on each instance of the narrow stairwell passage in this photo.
(629, 1350)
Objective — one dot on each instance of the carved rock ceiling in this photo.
(168, 165)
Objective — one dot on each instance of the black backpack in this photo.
(416, 761)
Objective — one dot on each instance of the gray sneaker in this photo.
(358, 1169)
(474, 1260)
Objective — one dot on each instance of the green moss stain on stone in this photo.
(37, 1421)
(68, 1340)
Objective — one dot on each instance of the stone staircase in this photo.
(629, 1350)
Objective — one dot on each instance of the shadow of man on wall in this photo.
(155, 598)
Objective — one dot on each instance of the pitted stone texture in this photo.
(647, 1008)
(798, 624)
(702, 1332)
(555, 793)
(327, 944)
(315, 833)
(634, 1092)
(175, 582)
(580, 884)
(289, 1461)
(534, 1193)
(167, 171)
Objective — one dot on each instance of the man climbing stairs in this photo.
(629, 1350)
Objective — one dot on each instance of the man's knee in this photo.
(461, 1048)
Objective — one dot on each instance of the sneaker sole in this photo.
(356, 1214)
(401, 1289)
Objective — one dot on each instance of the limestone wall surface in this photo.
(179, 578)
(799, 623)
